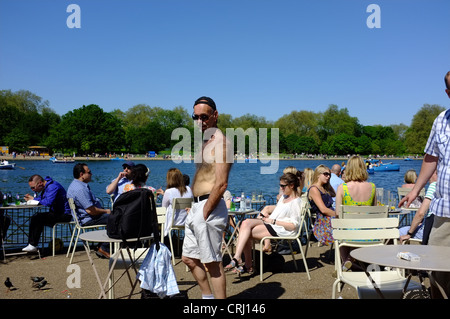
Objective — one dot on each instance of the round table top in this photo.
(100, 236)
(242, 212)
(23, 205)
(432, 258)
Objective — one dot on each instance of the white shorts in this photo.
(203, 239)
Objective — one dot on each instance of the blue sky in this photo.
(262, 57)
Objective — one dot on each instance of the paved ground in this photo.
(278, 292)
(289, 284)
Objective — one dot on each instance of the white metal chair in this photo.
(177, 204)
(78, 229)
(70, 224)
(403, 191)
(289, 239)
(358, 212)
(364, 232)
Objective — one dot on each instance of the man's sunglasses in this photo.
(202, 117)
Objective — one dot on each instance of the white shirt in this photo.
(287, 212)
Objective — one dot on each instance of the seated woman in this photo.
(320, 195)
(417, 229)
(283, 221)
(410, 180)
(354, 191)
(138, 176)
(176, 188)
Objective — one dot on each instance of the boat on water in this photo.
(62, 160)
(7, 165)
(378, 166)
(387, 167)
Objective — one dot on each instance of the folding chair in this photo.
(70, 224)
(296, 237)
(177, 204)
(364, 232)
(78, 228)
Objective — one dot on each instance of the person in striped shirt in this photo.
(437, 156)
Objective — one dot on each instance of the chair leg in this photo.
(304, 258)
(292, 254)
(171, 247)
(71, 240)
(53, 239)
(261, 271)
(74, 246)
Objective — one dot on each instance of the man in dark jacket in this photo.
(53, 195)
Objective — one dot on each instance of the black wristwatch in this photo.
(408, 233)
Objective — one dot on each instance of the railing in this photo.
(16, 236)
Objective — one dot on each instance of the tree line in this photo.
(27, 119)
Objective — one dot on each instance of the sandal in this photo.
(242, 269)
(233, 264)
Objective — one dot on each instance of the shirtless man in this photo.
(207, 219)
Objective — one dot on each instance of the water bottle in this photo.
(17, 199)
(248, 203)
(242, 204)
(5, 200)
(232, 205)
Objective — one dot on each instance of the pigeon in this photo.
(40, 284)
(36, 279)
(8, 284)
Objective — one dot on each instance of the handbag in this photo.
(133, 216)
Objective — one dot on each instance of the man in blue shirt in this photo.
(89, 210)
(116, 187)
(52, 195)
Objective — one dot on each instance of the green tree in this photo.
(417, 135)
(87, 129)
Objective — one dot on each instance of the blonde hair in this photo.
(356, 170)
(290, 169)
(176, 180)
(410, 176)
(308, 174)
(319, 170)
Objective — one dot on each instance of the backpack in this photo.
(134, 216)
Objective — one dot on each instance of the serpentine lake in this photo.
(246, 177)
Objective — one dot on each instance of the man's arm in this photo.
(112, 187)
(222, 170)
(427, 169)
(95, 211)
(49, 196)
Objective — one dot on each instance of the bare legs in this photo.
(216, 272)
(250, 229)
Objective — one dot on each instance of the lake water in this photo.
(245, 177)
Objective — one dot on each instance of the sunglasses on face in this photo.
(327, 174)
(283, 185)
(202, 117)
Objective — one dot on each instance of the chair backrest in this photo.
(365, 229)
(73, 210)
(180, 203)
(352, 211)
(403, 191)
(161, 214)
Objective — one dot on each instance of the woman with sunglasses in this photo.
(284, 221)
(320, 195)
